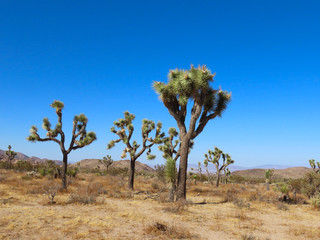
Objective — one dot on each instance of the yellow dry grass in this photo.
(115, 213)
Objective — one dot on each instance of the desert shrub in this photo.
(312, 185)
(248, 237)
(119, 171)
(51, 189)
(160, 172)
(84, 195)
(161, 230)
(23, 166)
(282, 206)
(2, 177)
(72, 171)
(315, 201)
(231, 195)
(297, 184)
(284, 188)
(177, 207)
(155, 186)
(241, 203)
(26, 177)
(3, 165)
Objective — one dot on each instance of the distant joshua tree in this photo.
(214, 157)
(313, 165)
(269, 175)
(125, 131)
(183, 87)
(79, 139)
(10, 156)
(106, 161)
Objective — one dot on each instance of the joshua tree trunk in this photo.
(131, 174)
(182, 175)
(64, 171)
(218, 180)
(171, 191)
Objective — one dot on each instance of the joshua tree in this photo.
(171, 176)
(227, 173)
(79, 139)
(199, 171)
(214, 157)
(125, 131)
(205, 163)
(106, 161)
(269, 175)
(313, 165)
(183, 86)
(10, 156)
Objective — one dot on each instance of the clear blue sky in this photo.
(101, 57)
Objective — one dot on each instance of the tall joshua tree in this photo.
(10, 156)
(184, 86)
(214, 157)
(313, 165)
(79, 139)
(125, 131)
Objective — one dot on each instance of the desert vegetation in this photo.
(106, 201)
(96, 207)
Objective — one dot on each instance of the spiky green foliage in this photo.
(124, 130)
(79, 139)
(314, 165)
(169, 145)
(58, 105)
(171, 176)
(215, 157)
(170, 170)
(10, 156)
(192, 84)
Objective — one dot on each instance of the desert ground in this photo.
(100, 207)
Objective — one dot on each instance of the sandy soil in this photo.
(26, 215)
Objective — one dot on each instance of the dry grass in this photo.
(232, 211)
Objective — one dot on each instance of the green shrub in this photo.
(315, 201)
(311, 185)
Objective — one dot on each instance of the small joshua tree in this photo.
(168, 147)
(269, 175)
(205, 163)
(125, 131)
(106, 161)
(171, 176)
(214, 157)
(183, 87)
(79, 139)
(199, 171)
(227, 173)
(313, 165)
(10, 156)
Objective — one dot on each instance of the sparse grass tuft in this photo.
(163, 231)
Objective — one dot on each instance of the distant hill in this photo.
(294, 172)
(93, 163)
(23, 157)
